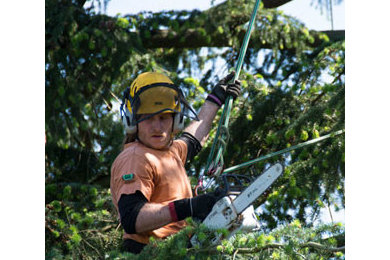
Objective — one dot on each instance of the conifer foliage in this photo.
(293, 91)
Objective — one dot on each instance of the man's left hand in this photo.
(223, 89)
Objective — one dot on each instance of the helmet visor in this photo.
(156, 100)
(161, 99)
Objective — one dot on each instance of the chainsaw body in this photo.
(235, 211)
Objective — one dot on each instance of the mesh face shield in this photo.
(160, 98)
(157, 98)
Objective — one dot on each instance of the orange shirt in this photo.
(160, 176)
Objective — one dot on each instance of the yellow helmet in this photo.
(152, 93)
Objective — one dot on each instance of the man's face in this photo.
(155, 132)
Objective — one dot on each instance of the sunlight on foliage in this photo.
(293, 91)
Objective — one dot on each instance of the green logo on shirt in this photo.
(128, 177)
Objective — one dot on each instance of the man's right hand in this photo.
(198, 207)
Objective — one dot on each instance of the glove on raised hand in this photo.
(198, 207)
(221, 91)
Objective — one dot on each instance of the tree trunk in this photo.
(274, 3)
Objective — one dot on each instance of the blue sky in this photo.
(312, 17)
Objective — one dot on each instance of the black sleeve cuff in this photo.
(193, 145)
(129, 206)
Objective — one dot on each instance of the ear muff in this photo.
(127, 116)
(127, 120)
(178, 123)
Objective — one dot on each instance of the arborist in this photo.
(149, 185)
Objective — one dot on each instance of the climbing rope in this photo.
(214, 164)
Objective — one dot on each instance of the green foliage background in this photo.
(294, 90)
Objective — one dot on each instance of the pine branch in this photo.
(323, 247)
(91, 246)
(314, 245)
(192, 38)
(317, 98)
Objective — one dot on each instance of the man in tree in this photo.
(149, 185)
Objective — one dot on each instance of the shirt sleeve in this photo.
(132, 173)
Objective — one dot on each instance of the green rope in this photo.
(220, 139)
(248, 163)
(222, 134)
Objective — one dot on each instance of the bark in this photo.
(269, 3)
(274, 3)
(336, 35)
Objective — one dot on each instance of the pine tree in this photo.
(293, 91)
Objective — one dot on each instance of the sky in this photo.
(308, 14)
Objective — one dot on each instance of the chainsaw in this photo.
(235, 211)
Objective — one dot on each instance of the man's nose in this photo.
(156, 122)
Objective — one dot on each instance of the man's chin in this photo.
(159, 145)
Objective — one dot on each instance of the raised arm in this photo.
(200, 129)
